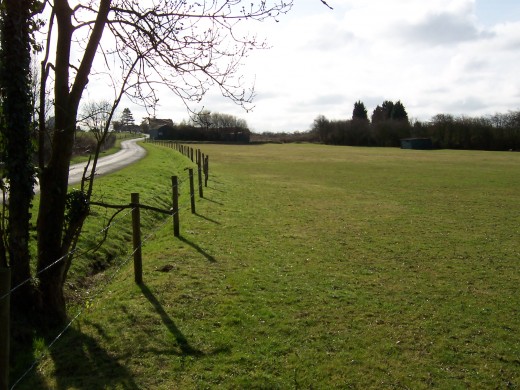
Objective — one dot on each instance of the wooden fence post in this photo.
(5, 323)
(136, 235)
(192, 191)
(175, 208)
(199, 171)
(206, 171)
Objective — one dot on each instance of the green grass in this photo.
(309, 266)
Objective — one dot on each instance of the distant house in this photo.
(417, 143)
(165, 129)
(158, 128)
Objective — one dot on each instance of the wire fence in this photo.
(159, 198)
(73, 251)
(86, 305)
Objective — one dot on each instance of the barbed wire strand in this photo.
(77, 249)
(108, 281)
(43, 354)
(102, 231)
(39, 273)
(114, 222)
(155, 196)
(62, 258)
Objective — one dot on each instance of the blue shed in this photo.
(416, 143)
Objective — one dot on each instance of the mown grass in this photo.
(311, 266)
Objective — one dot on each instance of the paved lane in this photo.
(130, 152)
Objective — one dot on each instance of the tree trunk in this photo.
(54, 177)
(15, 82)
(53, 192)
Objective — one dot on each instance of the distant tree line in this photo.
(495, 132)
(390, 123)
(203, 126)
(283, 137)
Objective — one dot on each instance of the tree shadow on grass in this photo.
(198, 249)
(80, 362)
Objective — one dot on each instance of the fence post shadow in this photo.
(213, 201)
(207, 219)
(198, 249)
(216, 189)
(184, 345)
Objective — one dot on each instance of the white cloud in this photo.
(443, 29)
(435, 56)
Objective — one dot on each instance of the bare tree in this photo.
(95, 115)
(202, 119)
(187, 47)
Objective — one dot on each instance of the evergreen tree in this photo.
(359, 112)
(378, 115)
(127, 119)
(389, 124)
(399, 112)
(388, 108)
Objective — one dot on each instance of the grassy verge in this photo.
(311, 267)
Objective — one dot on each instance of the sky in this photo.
(438, 56)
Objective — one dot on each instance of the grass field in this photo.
(307, 266)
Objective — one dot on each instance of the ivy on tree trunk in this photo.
(17, 127)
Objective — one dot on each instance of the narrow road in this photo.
(130, 152)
